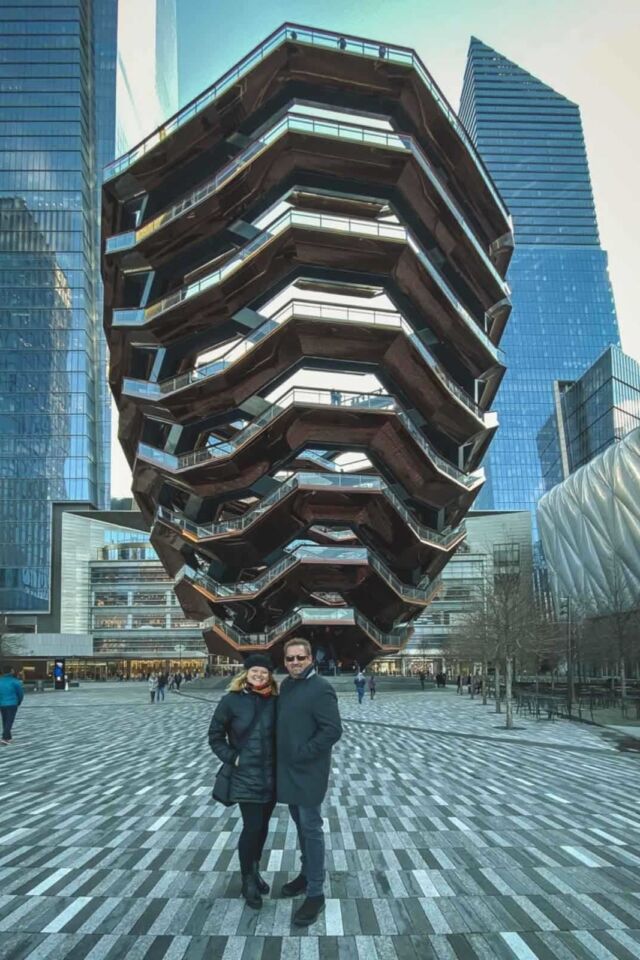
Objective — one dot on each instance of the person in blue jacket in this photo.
(11, 694)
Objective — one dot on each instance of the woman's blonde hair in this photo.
(240, 679)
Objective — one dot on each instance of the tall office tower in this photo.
(304, 313)
(58, 130)
(57, 83)
(531, 140)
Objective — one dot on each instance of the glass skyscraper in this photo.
(589, 415)
(58, 65)
(57, 104)
(147, 73)
(531, 139)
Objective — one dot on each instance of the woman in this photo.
(242, 733)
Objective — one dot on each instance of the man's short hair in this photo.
(298, 642)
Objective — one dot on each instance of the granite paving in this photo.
(448, 837)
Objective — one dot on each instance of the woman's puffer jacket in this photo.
(253, 779)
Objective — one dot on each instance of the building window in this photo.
(148, 621)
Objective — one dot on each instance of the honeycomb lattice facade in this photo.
(319, 209)
(590, 531)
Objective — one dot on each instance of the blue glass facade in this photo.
(531, 139)
(599, 409)
(57, 105)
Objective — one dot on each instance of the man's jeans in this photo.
(8, 716)
(160, 694)
(308, 821)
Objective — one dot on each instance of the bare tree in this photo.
(505, 625)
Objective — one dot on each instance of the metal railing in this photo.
(312, 481)
(310, 311)
(307, 616)
(323, 127)
(314, 398)
(139, 316)
(309, 554)
(321, 38)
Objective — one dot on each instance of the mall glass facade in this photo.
(531, 139)
(57, 104)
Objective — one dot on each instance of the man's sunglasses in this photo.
(299, 658)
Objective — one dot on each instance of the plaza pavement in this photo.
(448, 837)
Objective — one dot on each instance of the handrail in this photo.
(337, 535)
(323, 38)
(310, 311)
(302, 554)
(297, 123)
(311, 480)
(140, 316)
(307, 615)
(310, 397)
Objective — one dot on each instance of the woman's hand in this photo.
(236, 762)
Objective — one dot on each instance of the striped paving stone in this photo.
(447, 836)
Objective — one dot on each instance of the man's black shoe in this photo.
(294, 887)
(309, 912)
(262, 885)
(250, 891)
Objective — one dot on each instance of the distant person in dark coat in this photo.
(372, 686)
(162, 683)
(308, 725)
(11, 696)
(250, 703)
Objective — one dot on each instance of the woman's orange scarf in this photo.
(264, 691)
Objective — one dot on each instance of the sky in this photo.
(587, 50)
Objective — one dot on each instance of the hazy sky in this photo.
(585, 49)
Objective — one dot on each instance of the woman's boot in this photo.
(250, 891)
(262, 885)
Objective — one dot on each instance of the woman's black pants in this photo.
(255, 826)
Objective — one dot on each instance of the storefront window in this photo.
(111, 599)
(149, 599)
(101, 621)
(148, 621)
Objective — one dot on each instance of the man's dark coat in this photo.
(308, 724)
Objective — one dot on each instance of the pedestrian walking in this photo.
(360, 682)
(421, 676)
(459, 685)
(372, 686)
(308, 725)
(153, 686)
(11, 696)
(242, 735)
(162, 683)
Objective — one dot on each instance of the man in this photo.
(11, 694)
(308, 724)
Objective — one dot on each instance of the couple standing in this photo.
(279, 746)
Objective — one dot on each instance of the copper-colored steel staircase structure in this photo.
(319, 209)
